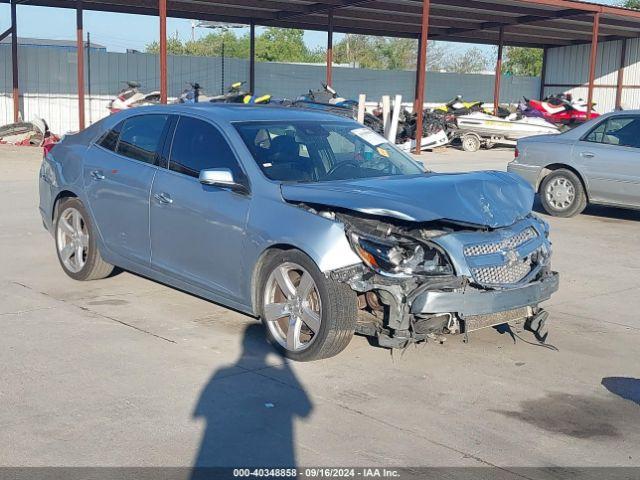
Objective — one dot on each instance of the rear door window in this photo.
(623, 131)
(198, 145)
(141, 137)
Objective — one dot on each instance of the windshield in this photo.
(322, 151)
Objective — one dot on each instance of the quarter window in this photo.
(623, 131)
(110, 139)
(198, 145)
(140, 137)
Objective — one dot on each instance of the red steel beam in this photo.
(543, 74)
(620, 83)
(496, 87)
(330, 48)
(422, 73)
(252, 57)
(592, 61)
(162, 7)
(14, 62)
(80, 54)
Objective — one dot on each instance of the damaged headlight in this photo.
(400, 258)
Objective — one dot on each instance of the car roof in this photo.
(245, 113)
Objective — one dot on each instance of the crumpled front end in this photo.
(424, 280)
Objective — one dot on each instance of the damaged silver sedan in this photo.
(309, 221)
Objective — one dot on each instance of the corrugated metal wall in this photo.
(48, 81)
(568, 71)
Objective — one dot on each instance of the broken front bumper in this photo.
(473, 301)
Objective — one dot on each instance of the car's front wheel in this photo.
(76, 243)
(562, 194)
(307, 315)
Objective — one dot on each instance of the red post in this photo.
(496, 89)
(252, 58)
(543, 75)
(330, 48)
(162, 4)
(14, 62)
(620, 84)
(80, 54)
(416, 94)
(592, 62)
(422, 73)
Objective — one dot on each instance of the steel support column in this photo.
(330, 48)
(252, 57)
(417, 81)
(162, 7)
(543, 75)
(14, 62)
(80, 55)
(620, 83)
(592, 61)
(422, 73)
(498, 76)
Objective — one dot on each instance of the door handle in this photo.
(587, 155)
(163, 198)
(97, 175)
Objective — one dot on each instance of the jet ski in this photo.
(480, 129)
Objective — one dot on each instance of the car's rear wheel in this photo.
(562, 194)
(76, 243)
(307, 315)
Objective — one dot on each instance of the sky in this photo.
(121, 31)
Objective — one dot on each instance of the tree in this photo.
(635, 4)
(273, 45)
(523, 61)
(473, 60)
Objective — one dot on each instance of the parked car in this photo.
(307, 220)
(597, 162)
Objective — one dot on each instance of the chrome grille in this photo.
(502, 274)
(498, 262)
(496, 247)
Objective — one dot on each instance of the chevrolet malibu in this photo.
(311, 222)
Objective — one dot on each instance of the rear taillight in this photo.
(121, 98)
(516, 153)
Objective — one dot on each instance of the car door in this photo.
(198, 231)
(609, 157)
(118, 172)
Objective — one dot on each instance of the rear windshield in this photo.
(320, 152)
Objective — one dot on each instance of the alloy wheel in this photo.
(72, 240)
(292, 308)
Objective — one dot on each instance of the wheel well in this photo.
(557, 166)
(257, 271)
(61, 195)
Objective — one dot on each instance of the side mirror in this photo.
(220, 177)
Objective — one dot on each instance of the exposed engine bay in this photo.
(420, 281)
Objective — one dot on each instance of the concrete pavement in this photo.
(128, 372)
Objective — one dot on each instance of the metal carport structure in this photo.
(526, 23)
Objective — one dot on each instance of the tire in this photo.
(470, 143)
(333, 304)
(562, 194)
(87, 265)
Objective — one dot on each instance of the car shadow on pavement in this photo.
(625, 387)
(250, 408)
(601, 211)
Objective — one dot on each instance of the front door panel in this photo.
(197, 232)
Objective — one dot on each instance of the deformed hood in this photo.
(490, 198)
